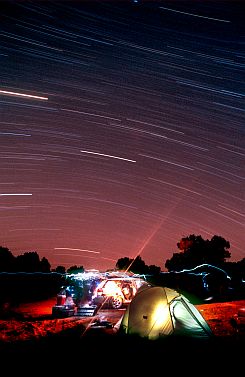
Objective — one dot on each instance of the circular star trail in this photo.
(121, 128)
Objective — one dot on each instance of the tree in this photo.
(123, 263)
(136, 265)
(75, 269)
(154, 270)
(218, 250)
(28, 262)
(45, 265)
(7, 260)
(60, 270)
(195, 251)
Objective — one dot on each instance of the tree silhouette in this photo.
(28, 262)
(44, 265)
(123, 263)
(137, 266)
(7, 260)
(218, 250)
(195, 251)
(154, 270)
(60, 270)
(75, 269)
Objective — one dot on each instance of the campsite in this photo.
(156, 323)
(32, 336)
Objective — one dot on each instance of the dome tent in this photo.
(157, 312)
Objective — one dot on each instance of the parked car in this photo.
(116, 292)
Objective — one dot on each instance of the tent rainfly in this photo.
(157, 312)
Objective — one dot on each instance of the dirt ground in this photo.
(32, 341)
(34, 320)
(219, 315)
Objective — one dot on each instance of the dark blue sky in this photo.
(121, 128)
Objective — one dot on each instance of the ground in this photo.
(31, 320)
(30, 330)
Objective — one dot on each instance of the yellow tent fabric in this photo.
(159, 311)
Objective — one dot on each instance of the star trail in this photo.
(121, 128)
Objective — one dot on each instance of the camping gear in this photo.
(86, 310)
(159, 312)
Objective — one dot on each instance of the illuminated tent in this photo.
(157, 312)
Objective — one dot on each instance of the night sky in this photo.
(121, 128)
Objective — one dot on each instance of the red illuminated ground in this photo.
(33, 343)
(35, 320)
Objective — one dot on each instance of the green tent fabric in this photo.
(158, 312)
